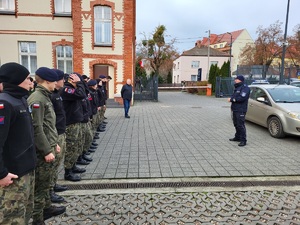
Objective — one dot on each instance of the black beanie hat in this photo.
(47, 74)
(60, 74)
(13, 73)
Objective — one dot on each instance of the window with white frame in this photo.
(195, 64)
(28, 56)
(62, 6)
(103, 25)
(193, 77)
(7, 5)
(64, 58)
(213, 62)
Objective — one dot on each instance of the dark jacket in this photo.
(57, 102)
(240, 98)
(72, 100)
(17, 151)
(101, 95)
(93, 99)
(126, 92)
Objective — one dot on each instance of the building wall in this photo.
(35, 21)
(185, 71)
(237, 46)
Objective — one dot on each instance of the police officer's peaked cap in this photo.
(47, 74)
(13, 73)
(240, 77)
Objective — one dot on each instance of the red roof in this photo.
(215, 39)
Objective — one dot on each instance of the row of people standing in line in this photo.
(37, 133)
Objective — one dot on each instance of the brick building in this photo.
(90, 37)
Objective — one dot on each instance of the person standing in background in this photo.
(126, 93)
(17, 151)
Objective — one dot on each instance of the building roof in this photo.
(226, 37)
(203, 51)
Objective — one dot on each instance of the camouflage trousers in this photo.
(95, 123)
(73, 144)
(16, 201)
(101, 114)
(87, 136)
(58, 157)
(44, 173)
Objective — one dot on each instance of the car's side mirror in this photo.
(263, 100)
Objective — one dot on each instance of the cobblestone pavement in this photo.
(184, 136)
(227, 207)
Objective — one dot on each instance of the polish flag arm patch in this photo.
(1, 106)
(35, 105)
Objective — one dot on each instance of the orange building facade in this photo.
(91, 37)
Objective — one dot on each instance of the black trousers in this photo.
(239, 124)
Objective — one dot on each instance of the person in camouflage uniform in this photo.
(17, 158)
(47, 147)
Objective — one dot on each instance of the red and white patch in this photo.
(1, 106)
(36, 106)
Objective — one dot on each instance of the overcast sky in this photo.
(188, 20)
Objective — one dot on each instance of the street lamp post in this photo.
(281, 81)
(230, 53)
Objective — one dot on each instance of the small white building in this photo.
(194, 64)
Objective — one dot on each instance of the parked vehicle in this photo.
(260, 82)
(295, 83)
(276, 107)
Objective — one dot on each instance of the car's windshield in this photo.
(286, 95)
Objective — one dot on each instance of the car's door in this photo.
(258, 112)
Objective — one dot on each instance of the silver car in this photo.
(276, 107)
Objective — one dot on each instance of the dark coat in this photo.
(240, 98)
(126, 92)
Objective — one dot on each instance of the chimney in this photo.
(198, 44)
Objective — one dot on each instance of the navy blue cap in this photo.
(102, 76)
(92, 83)
(47, 74)
(60, 74)
(240, 77)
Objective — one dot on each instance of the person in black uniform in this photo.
(17, 150)
(61, 128)
(72, 94)
(239, 106)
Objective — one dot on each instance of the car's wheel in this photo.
(275, 127)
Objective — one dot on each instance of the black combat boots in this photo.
(53, 211)
(69, 175)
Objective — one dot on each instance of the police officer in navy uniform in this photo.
(239, 106)
(17, 152)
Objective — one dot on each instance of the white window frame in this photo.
(63, 7)
(65, 58)
(7, 5)
(195, 64)
(103, 25)
(28, 49)
(214, 62)
(194, 77)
